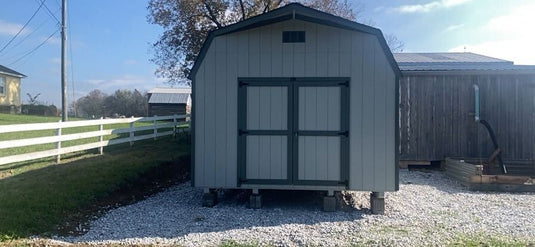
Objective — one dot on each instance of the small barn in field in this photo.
(169, 101)
(295, 99)
(437, 107)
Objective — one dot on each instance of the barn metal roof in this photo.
(170, 90)
(455, 61)
(169, 98)
(8, 71)
(299, 12)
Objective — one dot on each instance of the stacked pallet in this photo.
(462, 171)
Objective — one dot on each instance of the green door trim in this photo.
(292, 132)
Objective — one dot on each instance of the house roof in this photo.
(455, 61)
(8, 71)
(299, 12)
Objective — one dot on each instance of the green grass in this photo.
(488, 241)
(35, 197)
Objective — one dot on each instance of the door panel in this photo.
(266, 157)
(267, 108)
(319, 108)
(319, 158)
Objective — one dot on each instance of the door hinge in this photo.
(243, 132)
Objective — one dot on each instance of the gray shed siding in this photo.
(328, 52)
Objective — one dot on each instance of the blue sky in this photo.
(111, 40)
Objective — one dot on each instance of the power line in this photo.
(26, 37)
(49, 12)
(34, 49)
(25, 24)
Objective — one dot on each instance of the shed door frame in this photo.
(292, 132)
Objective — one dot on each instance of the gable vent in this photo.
(293, 37)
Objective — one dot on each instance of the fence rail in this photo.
(169, 124)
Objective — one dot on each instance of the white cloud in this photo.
(434, 5)
(10, 29)
(508, 37)
(125, 82)
(453, 27)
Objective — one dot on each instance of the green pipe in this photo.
(476, 92)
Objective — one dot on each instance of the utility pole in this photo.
(64, 111)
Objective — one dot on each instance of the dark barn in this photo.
(437, 105)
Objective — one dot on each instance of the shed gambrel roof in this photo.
(7, 71)
(298, 12)
(455, 61)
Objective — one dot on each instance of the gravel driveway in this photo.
(429, 209)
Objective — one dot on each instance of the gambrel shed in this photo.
(295, 99)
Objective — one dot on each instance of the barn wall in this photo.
(437, 116)
(167, 109)
(328, 52)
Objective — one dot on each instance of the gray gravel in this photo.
(429, 209)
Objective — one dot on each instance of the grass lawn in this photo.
(36, 197)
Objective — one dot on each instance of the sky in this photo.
(110, 40)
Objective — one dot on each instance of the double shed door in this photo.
(293, 131)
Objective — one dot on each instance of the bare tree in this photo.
(186, 24)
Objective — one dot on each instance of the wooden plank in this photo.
(264, 102)
(275, 164)
(368, 124)
(200, 111)
(220, 101)
(310, 49)
(210, 117)
(265, 51)
(324, 163)
(380, 110)
(333, 153)
(355, 116)
(276, 50)
(254, 52)
(278, 111)
(310, 163)
(252, 157)
(232, 111)
(253, 108)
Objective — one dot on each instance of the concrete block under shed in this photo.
(209, 199)
(329, 204)
(255, 201)
(377, 202)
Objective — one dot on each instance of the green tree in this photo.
(186, 24)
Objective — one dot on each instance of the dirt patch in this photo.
(149, 183)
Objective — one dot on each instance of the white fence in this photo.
(169, 123)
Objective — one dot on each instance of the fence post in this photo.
(132, 132)
(101, 138)
(58, 144)
(155, 127)
(174, 125)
